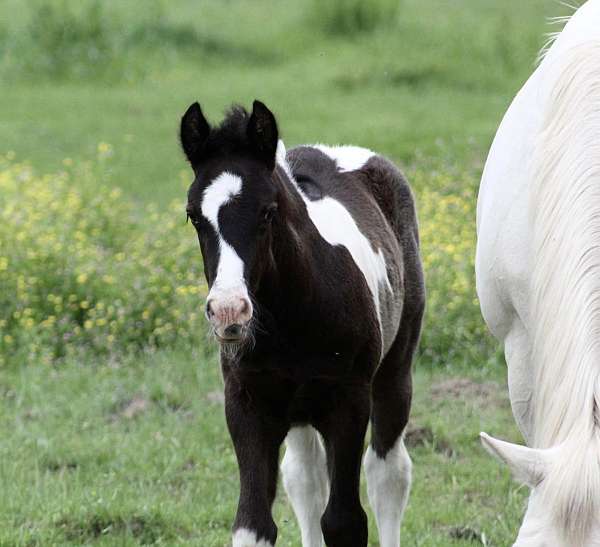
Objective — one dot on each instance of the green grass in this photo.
(135, 452)
(437, 82)
(130, 451)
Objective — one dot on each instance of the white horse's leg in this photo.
(304, 470)
(517, 350)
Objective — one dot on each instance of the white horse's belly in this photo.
(502, 264)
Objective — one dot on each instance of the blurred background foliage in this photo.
(84, 271)
(433, 78)
(424, 83)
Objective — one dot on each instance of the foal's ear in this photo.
(262, 133)
(193, 133)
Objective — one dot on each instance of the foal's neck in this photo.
(288, 278)
(293, 242)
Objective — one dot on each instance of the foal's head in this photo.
(232, 203)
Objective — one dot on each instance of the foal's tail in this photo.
(565, 308)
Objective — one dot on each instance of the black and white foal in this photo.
(316, 297)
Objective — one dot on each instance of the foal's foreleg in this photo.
(387, 463)
(256, 444)
(344, 522)
(304, 470)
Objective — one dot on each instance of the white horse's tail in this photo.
(565, 307)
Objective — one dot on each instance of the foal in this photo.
(316, 298)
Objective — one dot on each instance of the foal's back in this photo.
(379, 201)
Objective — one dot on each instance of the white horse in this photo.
(538, 279)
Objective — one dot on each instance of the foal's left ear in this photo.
(194, 132)
(262, 133)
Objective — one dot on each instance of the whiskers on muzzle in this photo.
(235, 347)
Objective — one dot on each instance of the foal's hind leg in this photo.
(304, 470)
(387, 463)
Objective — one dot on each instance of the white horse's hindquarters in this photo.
(502, 264)
(503, 245)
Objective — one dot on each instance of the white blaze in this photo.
(229, 281)
(337, 227)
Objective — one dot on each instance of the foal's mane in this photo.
(565, 308)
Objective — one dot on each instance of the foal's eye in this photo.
(194, 220)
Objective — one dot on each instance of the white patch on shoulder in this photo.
(247, 538)
(230, 271)
(388, 486)
(347, 158)
(337, 226)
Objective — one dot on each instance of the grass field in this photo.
(110, 444)
(136, 453)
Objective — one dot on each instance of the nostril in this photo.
(209, 312)
(233, 331)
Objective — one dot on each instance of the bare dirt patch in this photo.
(466, 533)
(129, 409)
(57, 466)
(417, 436)
(138, 405)
(465, 388)
(215, 397)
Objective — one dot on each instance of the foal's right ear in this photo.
(263, 134)
(194, 133)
